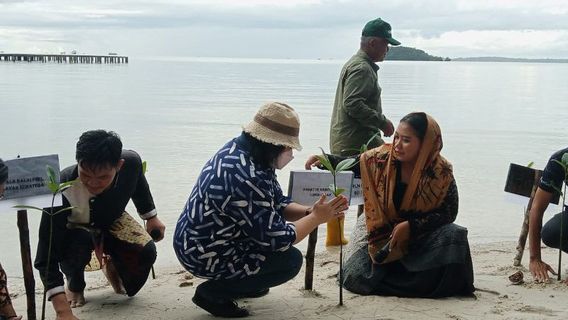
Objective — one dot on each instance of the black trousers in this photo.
(278, 268)
(551, 232)
(133, 262)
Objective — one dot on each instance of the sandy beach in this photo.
(169, 295)
(193, 106)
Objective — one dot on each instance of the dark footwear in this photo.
(255, 294)
(220, 307)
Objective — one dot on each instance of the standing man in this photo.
(357, 111)
(105, 178)
(553, 177)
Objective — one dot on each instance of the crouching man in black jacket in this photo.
(106, 178)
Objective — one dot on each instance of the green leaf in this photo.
(61, 189)
(63, 210)
(65, 185)
(565, 167)
(565, 159)
(373, 138)
(331, 188)
(51, 180)
(325, 163)
(350, 149)
(345, 164)
(68, 183)
(324, 160)
(365, 146)
(52, 187)
(28, 207)
(530, 165)
(51, 173)
(144, 167)
(339, 191)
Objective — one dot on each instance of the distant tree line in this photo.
(505, 59)
(411, 54)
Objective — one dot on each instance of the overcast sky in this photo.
(283, 28)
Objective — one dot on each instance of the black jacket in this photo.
(105, 208)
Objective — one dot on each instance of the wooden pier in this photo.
(62, 58)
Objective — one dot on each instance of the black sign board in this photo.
(520, 180)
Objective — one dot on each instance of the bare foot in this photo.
(113, 278)
(75, 299)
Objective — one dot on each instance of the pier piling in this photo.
(63, 58)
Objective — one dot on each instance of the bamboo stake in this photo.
(340, 263)
(310, 256)
(525, 228)
(29, 280)
(561, 233)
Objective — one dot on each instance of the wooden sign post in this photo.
(524, 181)
(29, 280)
(26, 185)
(305, 187)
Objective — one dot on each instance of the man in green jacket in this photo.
(357, 111)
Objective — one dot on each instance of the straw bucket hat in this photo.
(276, 123)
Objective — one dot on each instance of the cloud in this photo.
(429, 15)
(248, 27)
(517, 43)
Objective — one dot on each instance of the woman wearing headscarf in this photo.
(406, 244)
(238, 228)
(6, 309)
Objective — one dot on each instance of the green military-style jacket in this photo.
(357, 112)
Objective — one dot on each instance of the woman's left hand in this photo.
(400, 235)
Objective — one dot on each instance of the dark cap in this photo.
(381, 29)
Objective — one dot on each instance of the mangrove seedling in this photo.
(55, 188)
(344, 165)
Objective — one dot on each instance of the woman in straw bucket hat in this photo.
(237, 228)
